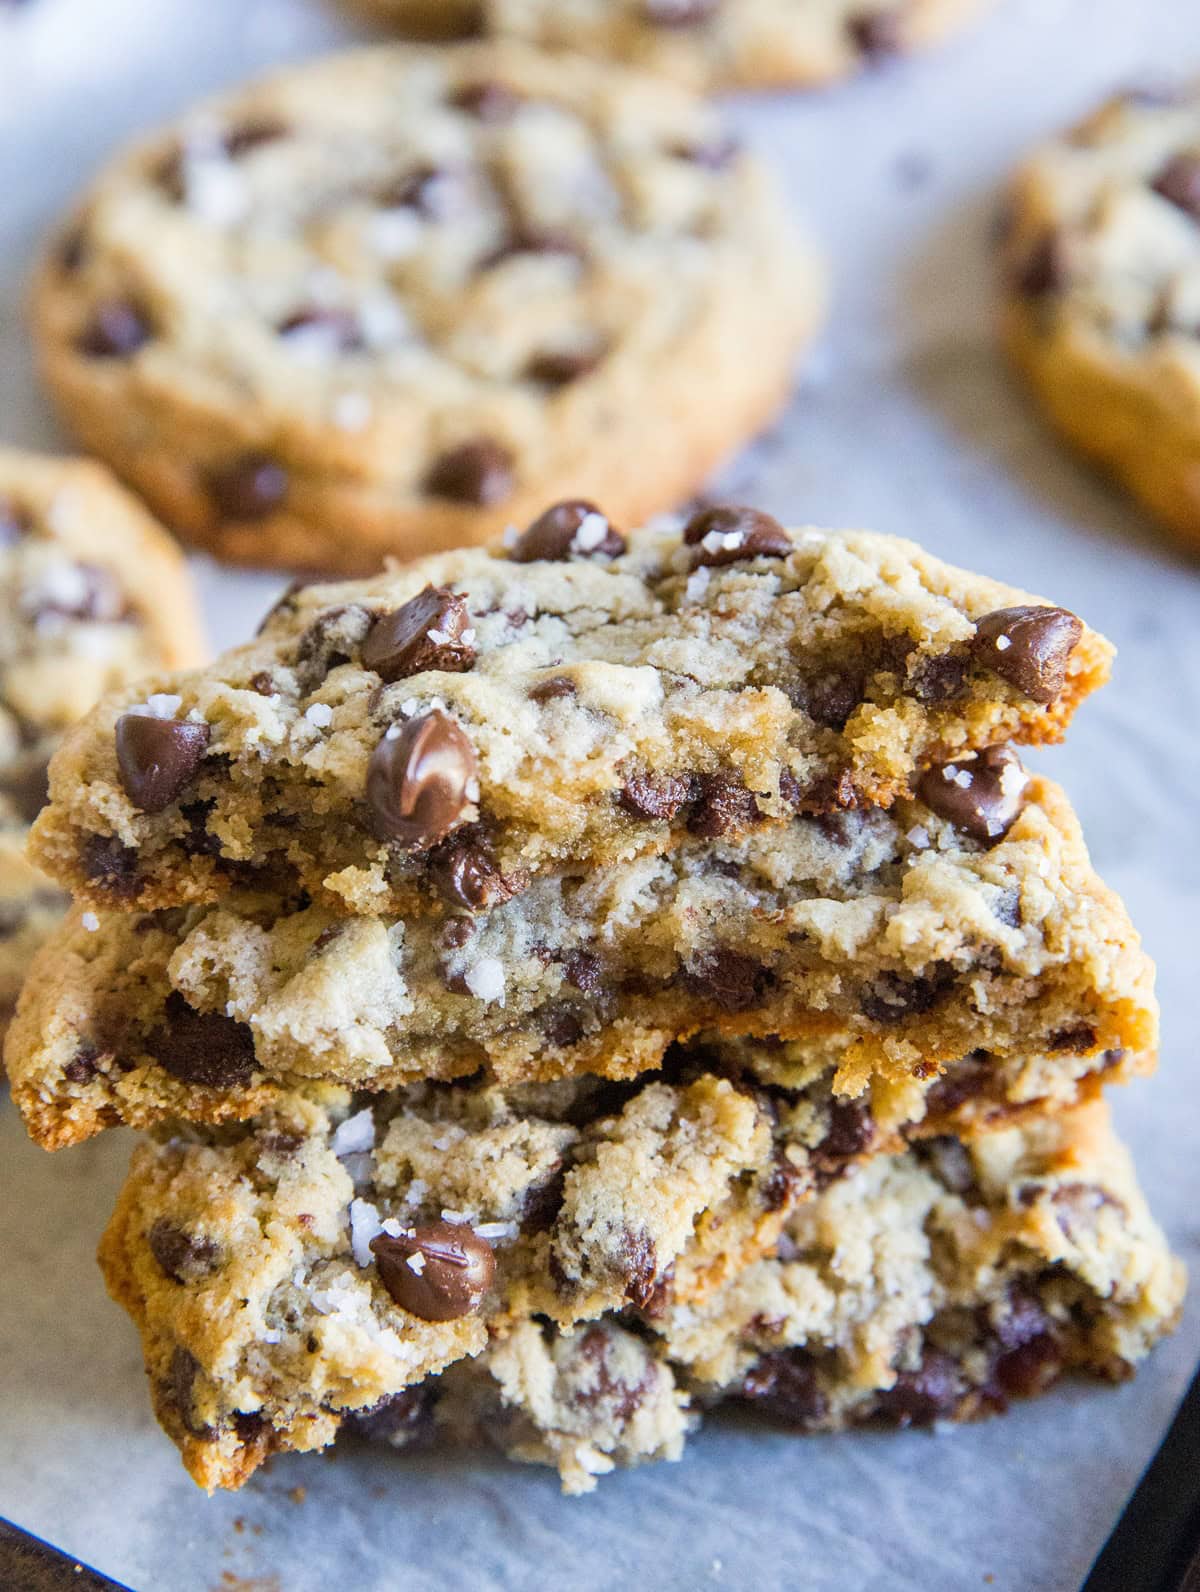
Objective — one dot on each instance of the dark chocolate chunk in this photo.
(403, 1420)
(726, 534)
(419, 779)
(157, 757)
(1029, 647)
(179, 1391)
(116, 330)
(851, 1130)
(205, 1048)
(981, 794)
(111, 864)
(723, 807)
(661, 797)
(479, 472)
(892, 997)
(572, 529)
(183, 1257)
(430, 631)
(941, 677)
(918, 1398)
(1078, 1040)
(830, 699)
(1179, 183)
(785, 1388)
(732, 981)
(639, 1267)
(440, 1272)
(249, 489)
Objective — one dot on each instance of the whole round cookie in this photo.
(399, 299)
(93, 595)
(707, 44)
(1100, 252)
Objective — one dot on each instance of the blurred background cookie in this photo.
(399, 299)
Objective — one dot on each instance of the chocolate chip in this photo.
(333, 639)
(487, 101)
(465, 872)
(452, 1273)
(1077, 1207)
(179, 1391)
(418, 781)
(965, 1080)
(183, 1257)
(733, 982)
(851, 1130)
(404, 1420)
(339, 330)
(542, 1202)
(920, 1397)
(1045, 270)
(645, 797)
(939, 678)
(116, 330)
(724, 807)
(263, 683)
(830, 699)
(784, 1387)
(479, 472)
(249, 489)
(1079, 1039)
(573, 528)
(560, 367)
(639, 1267)
(1029, 1369)
(781, 1185)
(246, 136)
(553, 689)
(560, 1024)
(205, 1048)
(430, 631)
(1029, 647)
(877, 34)
(727, 534)
(111, 865)
(619, 1398)
(678, 13)
(1179, 183)
(157, 757)
(981, 794)
(890, 997)
(584, 971)
(432, 191)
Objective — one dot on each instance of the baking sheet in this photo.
(906, 422)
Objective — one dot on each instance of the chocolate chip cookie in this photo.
(936, 1284)
(1100, 255)
(396, 300)
(894, 942)
(708, 44)
(93, 595)
(435, 737)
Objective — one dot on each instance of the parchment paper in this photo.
(907, 423)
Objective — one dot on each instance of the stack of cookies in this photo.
(575, 983)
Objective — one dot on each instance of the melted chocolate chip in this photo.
(1077, 1040)
(639, 1267)
(678, 13)
(479, 472)
(851, 1130)
(584, 971)
(781, 1185)
(204, 1048)
(878, 35)
(249, 489)
(543, 1201)
(619, 1398)
(982, 795)
(404, 1420)
(418, 780)
(920, 1397)
(1029, 647)
(645, 797)
(830, 699)
(182, 1256)
(111, 865)
(337, 330)
(157, 757)
(439, 1273)
(553, 689)
(733, 982)
(1030, 1368)
(561, 1025)
(430, 631)
(117, 329)
(1045, 270)
(560, 367)
(727, 534)
(84, 1065)
(940, 678)
(785, 1388)
(572, 529)
(487, 100)
(179, 1391)
(1179, 183)
(333, 639)
(723, 807)
(465, 872)
(891, 998)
